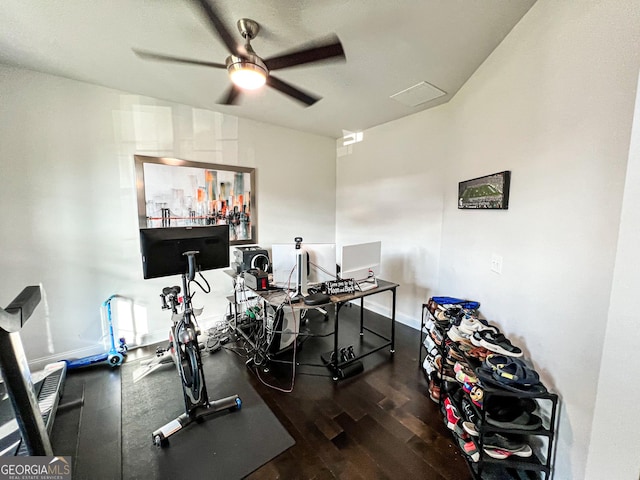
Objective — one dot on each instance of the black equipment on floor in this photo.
(34, 409)
(184, 344)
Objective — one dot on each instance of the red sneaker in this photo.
(453, 419)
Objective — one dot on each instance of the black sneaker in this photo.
(508, 408)
(469, 412)
(509, 443)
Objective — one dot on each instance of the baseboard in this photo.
(39, 363)
(205, 323)
(162, 335)
(404, 319)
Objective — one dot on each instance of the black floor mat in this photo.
(229, 445)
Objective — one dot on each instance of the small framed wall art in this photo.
(490, 192)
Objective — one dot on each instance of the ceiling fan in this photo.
(249, 71)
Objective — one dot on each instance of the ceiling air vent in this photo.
(418, 94)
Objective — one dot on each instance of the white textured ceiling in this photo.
(390, 46)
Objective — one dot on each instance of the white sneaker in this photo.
(471, 324)
(455, 334)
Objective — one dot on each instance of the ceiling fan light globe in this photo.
(246, 74)
(248, 79)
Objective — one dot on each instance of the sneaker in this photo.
(470, 324)
(437, 362)
(452, 418)
(434, 392)
(510, 443)
(507, 408)
(456, 335)
(469, 412)
(452, 356)
(455, 315)
(434, 388)
(524, 421)
(471, 429)
(432, 306)
(496, 342)
(464, 374)
(450, 388)
(480, 353)
(427, 364)
(469, 448)
(429, 324)
(428, 343)
(436, 336)
(441, 315)
(447, 374)
(497, 453)
(501, 453)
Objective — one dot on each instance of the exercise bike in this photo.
(185, 350)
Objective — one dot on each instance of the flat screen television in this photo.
(162, 249)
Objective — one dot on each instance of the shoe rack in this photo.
(481, 464)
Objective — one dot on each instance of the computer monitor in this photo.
(359, 259)
(162, 249)
(320, 263)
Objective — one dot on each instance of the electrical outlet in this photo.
(496, 263)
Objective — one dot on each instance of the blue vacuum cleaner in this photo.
(114, 357)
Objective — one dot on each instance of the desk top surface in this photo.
(277, 296)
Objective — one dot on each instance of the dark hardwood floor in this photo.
(379, 424)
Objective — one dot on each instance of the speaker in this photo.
(250, 258)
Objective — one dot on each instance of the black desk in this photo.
(342, 369)
(339, 369)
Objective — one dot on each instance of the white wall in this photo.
(553, 104)
(389, 188)
(615, 434)
(69, 212)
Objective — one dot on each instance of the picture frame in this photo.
(490, 192)
(172, 192)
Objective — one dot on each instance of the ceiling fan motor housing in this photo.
(248, 28)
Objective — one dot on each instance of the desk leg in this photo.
(235, 305)
(362, 316)
(393, 322)
(334, 360)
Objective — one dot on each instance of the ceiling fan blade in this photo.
(327, 49)
(219, 27)
(231, 97)
(292, 91)
(169, 58)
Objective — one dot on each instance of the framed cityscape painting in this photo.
(177, 193)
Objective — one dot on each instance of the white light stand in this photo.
(301, 270)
